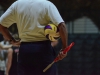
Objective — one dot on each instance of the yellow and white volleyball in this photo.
(51, 32)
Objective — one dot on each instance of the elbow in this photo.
(62, 26)
(2, 27)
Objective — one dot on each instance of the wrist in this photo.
(63, 48)
(11, 40)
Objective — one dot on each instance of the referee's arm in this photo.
(54, 16)
(63, 34)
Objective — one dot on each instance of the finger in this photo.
(61, 56)
(16, 45)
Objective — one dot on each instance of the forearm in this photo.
(5, 32)
(63, 34)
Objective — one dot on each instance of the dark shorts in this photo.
(34, 57)
(13, 70)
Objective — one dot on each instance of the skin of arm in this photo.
(64, 37)
(63, 34)
(9, 60)
(6, 34)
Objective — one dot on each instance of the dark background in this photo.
(84, 57)
(71, 9)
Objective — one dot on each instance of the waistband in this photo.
(37, 42)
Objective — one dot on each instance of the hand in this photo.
(61, 55)
(16, 43)
(54, 43)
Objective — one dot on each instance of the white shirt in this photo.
(31, 16)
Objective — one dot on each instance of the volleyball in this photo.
(51, 32)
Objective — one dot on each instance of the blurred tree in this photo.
(72, 9)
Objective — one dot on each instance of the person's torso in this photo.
(31, 19)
